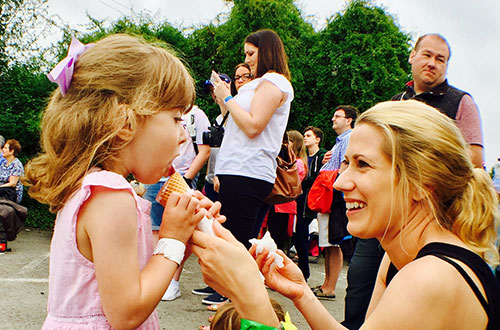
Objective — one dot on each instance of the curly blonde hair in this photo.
(116, 84)
(430, 158)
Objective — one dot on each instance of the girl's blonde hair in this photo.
(430, 158)
(117, 84)
(298, 146)
(227, 318)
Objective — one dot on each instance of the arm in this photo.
(229, 269)
(199, 161)
(12, 181)
(266, 100)
(107, 236)
(476, 155)
(290, 282)
(469, 122)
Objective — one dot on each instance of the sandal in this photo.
(316, 288)
(321, 295)
(204, 327)
(210, 318)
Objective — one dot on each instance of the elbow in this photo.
(253, 132)
(126, 323)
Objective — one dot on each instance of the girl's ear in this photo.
(127, 132)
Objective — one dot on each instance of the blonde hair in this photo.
(298, 146)
(117, 84)
(227, 318)
(430, 158)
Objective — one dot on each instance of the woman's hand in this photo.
(221, 88)
(216, 184)
(287, 280)
(181, 215)
(230, 270)
(212, 208)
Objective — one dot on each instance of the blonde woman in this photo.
(409, 183)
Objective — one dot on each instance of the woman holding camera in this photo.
(258, 115)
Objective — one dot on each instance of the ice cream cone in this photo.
(174, 183)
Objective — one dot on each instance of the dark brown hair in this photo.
(233, 86)
(14, 145)
(272, 56)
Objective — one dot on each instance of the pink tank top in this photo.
(74, 301)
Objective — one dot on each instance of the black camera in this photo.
(214, 136)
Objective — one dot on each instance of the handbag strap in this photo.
(223, 120)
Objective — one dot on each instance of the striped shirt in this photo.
(338, 152)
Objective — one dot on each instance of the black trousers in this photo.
(361, 278)
(300, 238)
(241, 199)
(9, 193)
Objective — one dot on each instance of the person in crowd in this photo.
(11, 169)
(227, 318)
(410, 183)
(241, 76)
(208, 187)
(193, 156)
(121, 101)
(258, 115)
(429, 63)
(281, 217)
(300, 238)
(343, 122)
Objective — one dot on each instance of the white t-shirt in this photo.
(255, 158)
(186, 150)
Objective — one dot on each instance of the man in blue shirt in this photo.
(343, 122)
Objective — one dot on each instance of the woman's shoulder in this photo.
(279, 81)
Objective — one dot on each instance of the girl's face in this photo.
(154, 146)
(251, 57)
(366, 183)
(241, 77)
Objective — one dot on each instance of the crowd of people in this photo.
(411, 198)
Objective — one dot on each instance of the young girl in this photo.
(119, 113)
(281, 216)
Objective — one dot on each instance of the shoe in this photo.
(204, 327)
(173, 292)
(207, 291)
(321, 295)
(315, 288)
(214, 299)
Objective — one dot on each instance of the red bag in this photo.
(320, 195)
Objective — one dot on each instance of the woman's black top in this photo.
(483, 272)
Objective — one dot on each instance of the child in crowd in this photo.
(227, 318)
(118, 106)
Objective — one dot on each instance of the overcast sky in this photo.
(471, 27)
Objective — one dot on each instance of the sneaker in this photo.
(173, 292)
(214, 299)
(207, 291)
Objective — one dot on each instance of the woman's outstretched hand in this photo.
(287, 280)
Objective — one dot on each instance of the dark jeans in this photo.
(261, 215)
(300, 238)
(210, 192)
(361, 278)
(241, 199)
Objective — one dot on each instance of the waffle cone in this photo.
(174, 183)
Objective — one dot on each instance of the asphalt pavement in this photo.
(24, 289)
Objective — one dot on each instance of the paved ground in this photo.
(24, 289)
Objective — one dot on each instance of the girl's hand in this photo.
(181, 215)
(221, 88)
(212, 208)
(287, 280)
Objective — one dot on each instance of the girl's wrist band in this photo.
(227, 99)
(171, 249)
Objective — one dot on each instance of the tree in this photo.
(361, 59)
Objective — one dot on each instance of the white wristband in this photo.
(171, 249)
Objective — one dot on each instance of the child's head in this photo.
(117, 84)
(227, 318)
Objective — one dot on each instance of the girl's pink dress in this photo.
(74, 301)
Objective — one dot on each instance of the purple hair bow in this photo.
(63, 72)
